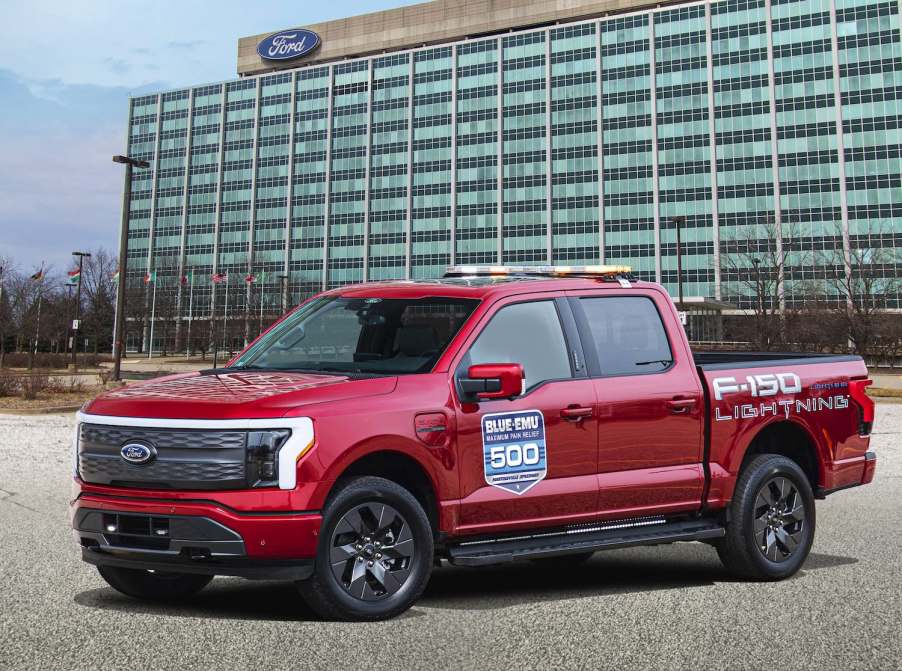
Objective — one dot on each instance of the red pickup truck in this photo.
(496, 414)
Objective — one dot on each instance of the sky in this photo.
(67, 69)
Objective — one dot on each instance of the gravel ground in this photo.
(666, 607)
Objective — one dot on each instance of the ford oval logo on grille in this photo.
(137, 453)
(288, 44)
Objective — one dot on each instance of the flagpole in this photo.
(153, 312)
(225, 311)
(262, 286)
(37, 330)
(190, 310)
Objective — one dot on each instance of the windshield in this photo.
(379, 336)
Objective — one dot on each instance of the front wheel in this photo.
(153, 585)
(375, 553)
(772, 520)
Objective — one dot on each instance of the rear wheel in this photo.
(375, 553)
(153, 585)
(772, 520)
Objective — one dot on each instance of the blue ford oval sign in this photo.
(137, 453)
(288, 44)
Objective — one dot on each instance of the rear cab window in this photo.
(627, 334)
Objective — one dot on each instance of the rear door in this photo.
(552, 427)
(650, 403)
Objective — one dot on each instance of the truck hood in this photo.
(239, 395)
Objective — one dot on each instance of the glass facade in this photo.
(762, 123)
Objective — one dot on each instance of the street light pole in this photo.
(123, 259)
(679, 221)
(81, 260)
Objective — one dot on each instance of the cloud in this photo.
(188, 45)
(59, 190)
(118, 66)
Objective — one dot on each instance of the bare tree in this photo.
(754, 263)
(864, 283)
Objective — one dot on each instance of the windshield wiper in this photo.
(663, 362)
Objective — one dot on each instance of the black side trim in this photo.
(727, 360)
(242, 513)
(297, 569)
(821, 493)
(607, 536)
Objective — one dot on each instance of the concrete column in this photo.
(153, 221)
(599, 93)
(712, 141)
(283, 286)
(499, 179)
(327, 208)
(549, 171)
(217, 216)
(654, 143)
(183, 248)
(775, 154)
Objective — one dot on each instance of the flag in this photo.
(38, 276)
(115, 275)
(189, 278)
(219, 277)
(150, 278)
(262, 277)
(74, 277)
(250, 278)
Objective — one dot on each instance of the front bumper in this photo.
(194, 537)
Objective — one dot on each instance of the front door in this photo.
(530, 461)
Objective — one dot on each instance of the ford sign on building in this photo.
(288, 45)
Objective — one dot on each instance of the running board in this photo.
(583, 538)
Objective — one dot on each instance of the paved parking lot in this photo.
(666, 607)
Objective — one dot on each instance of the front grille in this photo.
(184, 459)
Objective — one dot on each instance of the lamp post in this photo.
(678, 222)
(123, 259)
(81, 261)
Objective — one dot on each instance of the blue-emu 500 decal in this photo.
(513, 447)
(288, 44)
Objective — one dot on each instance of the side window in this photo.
(628, 334)
(529, 334)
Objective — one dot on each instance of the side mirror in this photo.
(488, 381)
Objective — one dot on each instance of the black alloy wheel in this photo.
(375, 552)
(779, 519)
(372, 550)
(771, 520)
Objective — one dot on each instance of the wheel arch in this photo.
(400, 468)
(793, 441)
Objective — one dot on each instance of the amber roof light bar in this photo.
(612, 272)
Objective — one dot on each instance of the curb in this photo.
(55, 410)
(882, 392)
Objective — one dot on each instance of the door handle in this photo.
(680, 406)
(576, 413)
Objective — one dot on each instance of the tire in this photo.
(564, 562)
(772, 520)
(375, 553)
(153, 586)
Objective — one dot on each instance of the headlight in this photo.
(263, 456)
